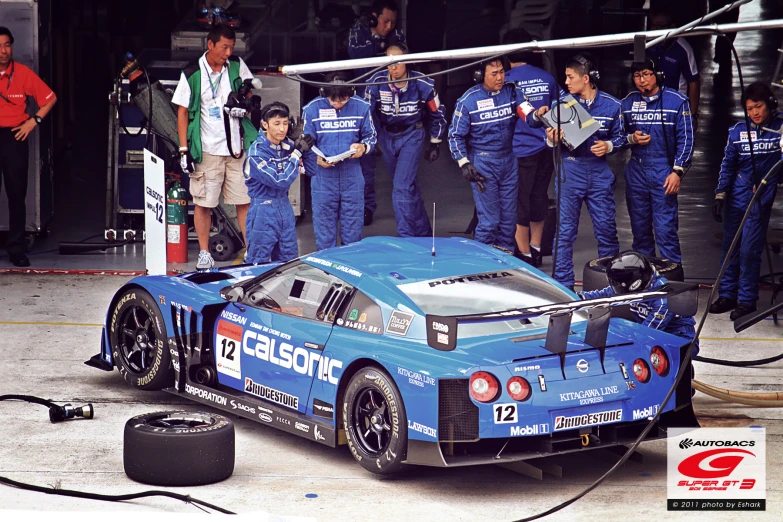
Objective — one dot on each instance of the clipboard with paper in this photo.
(337, 157)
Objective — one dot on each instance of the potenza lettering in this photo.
(470, 278)
(590, 419)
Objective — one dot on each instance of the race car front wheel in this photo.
(179, 448)
(137, 335)
(375, 422)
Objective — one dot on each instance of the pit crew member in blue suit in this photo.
(271, 166)
(337, 120)
(480, 139)
(587, 175)
(399, 109)
(534, 158)
(372, 37)
(659, 130)
(632, 272)
(738, 180)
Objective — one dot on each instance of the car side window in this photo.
(362, 314)
(297, 290)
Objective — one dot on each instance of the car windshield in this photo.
(488, 292)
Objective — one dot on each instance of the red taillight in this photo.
(659, 361)
(518, 388)
(484, 387)
(641, 371)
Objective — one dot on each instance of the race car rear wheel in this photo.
(137, 335)
(179, 448)
(375, 421)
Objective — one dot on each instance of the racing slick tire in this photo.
(375, 423)
(594, 274)
(137, 338)
(179, 448)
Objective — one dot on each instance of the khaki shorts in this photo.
(216, 175)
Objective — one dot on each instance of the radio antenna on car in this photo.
(433, 229)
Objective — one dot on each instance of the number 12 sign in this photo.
(154, 214)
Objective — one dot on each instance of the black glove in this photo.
(186, 163)
(470, 174)
(433, 152)
(303, 143)
(717, 209)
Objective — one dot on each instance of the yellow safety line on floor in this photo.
(43, 323)
(240, 258)
(772, 339)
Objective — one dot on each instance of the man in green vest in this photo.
(205, 155)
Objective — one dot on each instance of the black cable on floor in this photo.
(59, 413)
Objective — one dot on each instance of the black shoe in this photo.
(367, 217)
(19, 260)
(538, 259)
(524, 257)
(741, 310)
(723, 305)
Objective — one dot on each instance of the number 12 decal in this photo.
(505, 413)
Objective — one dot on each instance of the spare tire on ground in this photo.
(179, 448)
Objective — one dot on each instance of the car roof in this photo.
(398, 261)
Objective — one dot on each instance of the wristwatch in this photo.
(679, 171)
(37, 119)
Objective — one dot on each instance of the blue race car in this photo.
(459, 355)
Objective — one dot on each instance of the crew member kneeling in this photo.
(740, 177)
(632, 272)
(480, 139)
(270, 168)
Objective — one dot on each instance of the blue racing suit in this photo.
(269, 171)
(481, 132)
(589, 180)
(737, 180)
(666, 118)
(363, 43)
(655, 313)
(338, 191)
(399, 113)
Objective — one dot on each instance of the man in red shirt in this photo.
(17, 82)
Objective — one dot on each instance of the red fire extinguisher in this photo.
(176, 223)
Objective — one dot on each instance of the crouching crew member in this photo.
(400, 109)
(270, 168)
(632, 272)
(338, 121)
(659, 130)
(480, 139)
(587, 175)
(740, 176)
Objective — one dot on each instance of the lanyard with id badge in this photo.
(214, 111)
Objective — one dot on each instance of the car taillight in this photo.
(484, 387)
(641, 371)
(518, 388)
(659, 361)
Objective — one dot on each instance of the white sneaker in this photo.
(204, 260)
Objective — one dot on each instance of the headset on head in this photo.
(769, 99)
(377, 8)
(478, 73)
(334, 78)
(652, 64)
(590, 69)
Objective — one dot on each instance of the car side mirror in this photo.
(232, 294)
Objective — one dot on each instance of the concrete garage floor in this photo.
(50, 325)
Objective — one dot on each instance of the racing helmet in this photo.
(629, 272)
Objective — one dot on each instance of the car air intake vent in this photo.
(458, 417)
(201, 278)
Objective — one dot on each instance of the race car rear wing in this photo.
(682, 299)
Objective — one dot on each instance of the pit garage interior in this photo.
(51, 313)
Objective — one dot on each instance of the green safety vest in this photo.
(193, 75)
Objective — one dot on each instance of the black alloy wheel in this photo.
(137, 336)
(375, 423)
